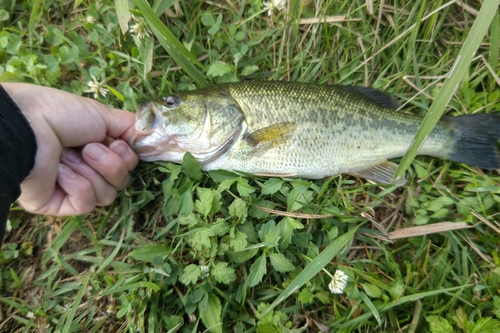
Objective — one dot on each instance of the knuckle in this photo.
(124, 182)
(108, 197)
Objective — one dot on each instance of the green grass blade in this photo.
(314, 267)
(123, 13)
(75, 305)
(132, 286)
(398, 302)
(457, 73)
(171, 44)
(371, 306)
(61, 239)
(34, 18)
(494, 41)
(113, 254)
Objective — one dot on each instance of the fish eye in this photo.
(171, 101)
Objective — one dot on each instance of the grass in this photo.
(185, 251)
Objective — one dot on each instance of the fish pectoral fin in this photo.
(381, 173)
(270, 136)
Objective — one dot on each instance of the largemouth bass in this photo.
(287, 129)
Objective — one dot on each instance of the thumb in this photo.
(119, 123)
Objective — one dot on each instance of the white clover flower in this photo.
(96, 87)
(139, 28)
(89, 19)
(338, 283)
(274, 4)
(204, 271)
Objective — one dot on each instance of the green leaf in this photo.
(204, 204)
(280, 262)
(4, 15)
(371, 290)
(286, 233)
(225, 185)
(238, 210)
(200, 240)
(190, 220)
(323, 296)
(238, 240)
(207, 20)
(186, 202)
(191, 274)
(213, 29)
(269, 233)
(294, 224)
(222, 273)
(496, 305)
(191, 167)
(239, 36)
(211, 316)
(257, 271)
(486, 325)
(219, 69)
(315, 266)
(244, 189)
(439, 324)
(305, 296)
(298, 197)
(149, 251)
(439, 203)
(272, 186)
(219, 19)
(219, 228)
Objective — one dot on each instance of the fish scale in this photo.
(304, 130)
(336, 132)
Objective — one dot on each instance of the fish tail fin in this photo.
(477, 137)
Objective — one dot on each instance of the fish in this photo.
(291, 129)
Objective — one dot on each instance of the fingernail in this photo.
(71, 155)
(66, 171)
(95, 152)
(121, 148)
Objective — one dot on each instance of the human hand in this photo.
(79, 165)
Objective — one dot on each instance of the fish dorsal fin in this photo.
(270, 136)
(377, 96)
(380, 173)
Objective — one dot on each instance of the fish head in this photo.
(203, 124)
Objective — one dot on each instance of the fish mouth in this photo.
(147, 131)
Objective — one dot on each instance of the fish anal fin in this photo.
(377, 96)
(276, 174)
(380, 173)
(270, 136)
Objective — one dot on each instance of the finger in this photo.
(119, 123)
(126, 153)
(104, 192)
(74, 195)
(107, 164)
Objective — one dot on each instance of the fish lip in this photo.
(135, 138)
(144, 126)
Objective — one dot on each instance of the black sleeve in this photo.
(17, 154)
